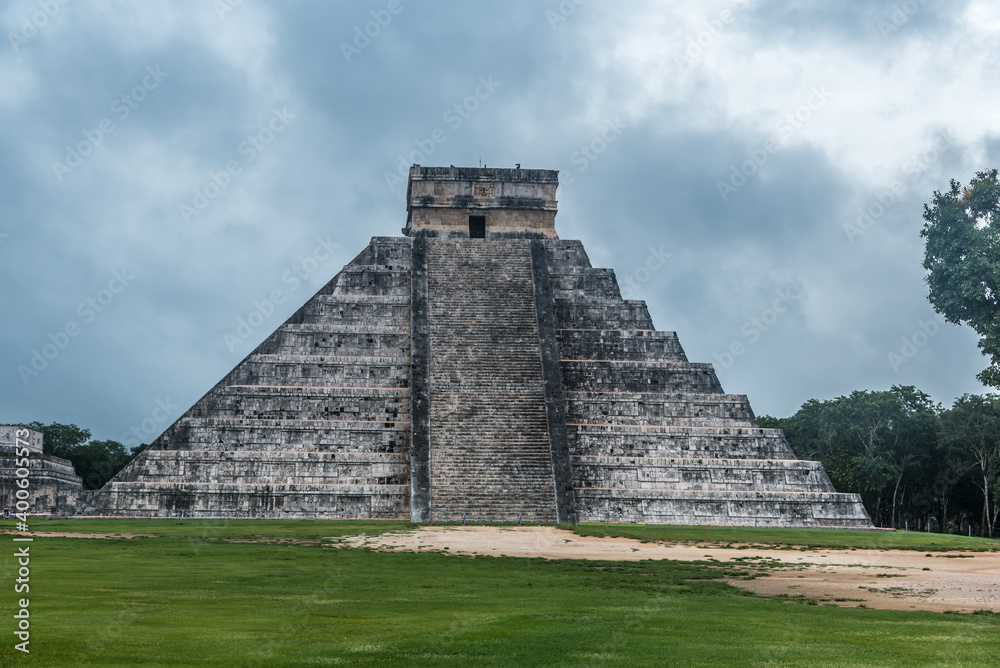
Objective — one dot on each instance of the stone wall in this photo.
(315, 422)
(13, 435)
(653, 437)
(500, 223)
(53, 485)
(439, 201)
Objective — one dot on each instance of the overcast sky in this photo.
(167, 167)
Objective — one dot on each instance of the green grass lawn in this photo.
(791, 538)
(216, 529)
(187, 597)
(318, 529)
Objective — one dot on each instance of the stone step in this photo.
(355, 301)
(661, 409)
(489, 434)
(234, 500)
(619, 345)
(631, 376)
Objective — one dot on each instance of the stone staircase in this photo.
(490, 458)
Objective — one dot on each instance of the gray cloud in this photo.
(655, 186)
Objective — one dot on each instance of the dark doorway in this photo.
(477, 227)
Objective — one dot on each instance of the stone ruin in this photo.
(53, 488)
(476, 369)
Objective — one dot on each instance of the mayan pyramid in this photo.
(478, 369)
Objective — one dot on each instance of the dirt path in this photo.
(887, 579)
(70, 534)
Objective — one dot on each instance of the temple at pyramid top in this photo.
(481, 202)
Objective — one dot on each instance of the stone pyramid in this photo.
(478, 369)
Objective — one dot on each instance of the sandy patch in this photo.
(888, 579)
(70, 534)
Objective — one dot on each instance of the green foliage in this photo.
(962, 256)
(910, 460)
(99, 461)
(180, 601)
(869, 442)
(769, 422)
(95, 461)
(972, 429)
(59, 439)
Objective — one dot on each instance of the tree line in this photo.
(96, 462)
(915, 463)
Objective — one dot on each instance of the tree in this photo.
(59, 439)
(812, 436)
(95, 461)
(868, 442)
(948, 472)
(884, 434)
(909, 458)
(972, 426)
(962, 256)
